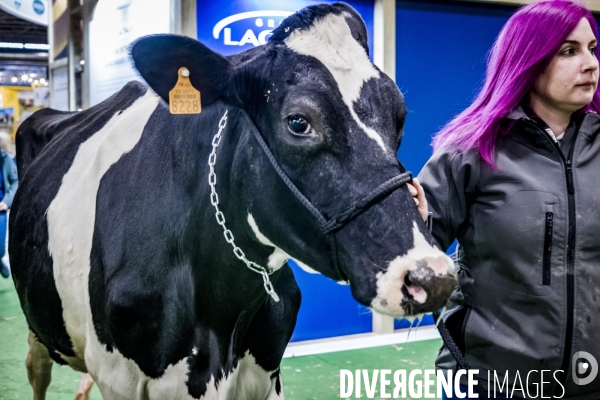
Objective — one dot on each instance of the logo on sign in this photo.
(38, 7)
(17, 4)
(253, 27)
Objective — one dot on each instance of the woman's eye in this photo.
(593, 50)
(568, 51)
(298, 125)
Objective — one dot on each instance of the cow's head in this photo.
(333, 123)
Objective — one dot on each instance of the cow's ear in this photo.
(356, 24)
(159, 57)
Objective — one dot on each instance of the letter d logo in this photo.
(582, 367)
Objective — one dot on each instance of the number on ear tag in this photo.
(184, 98)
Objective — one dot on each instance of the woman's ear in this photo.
(159, 57)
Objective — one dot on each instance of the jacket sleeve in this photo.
(450, 180)
(13, 180)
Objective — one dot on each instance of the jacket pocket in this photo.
(549, 226)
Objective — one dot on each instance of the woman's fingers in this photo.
(420, 192)
(414, 193)
(412, 189)
(419, 195)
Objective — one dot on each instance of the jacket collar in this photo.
(517, 113)
(527, 130)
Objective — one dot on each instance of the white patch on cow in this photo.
(78, 364)
(389, 283)
(71, 217)
(246, 382)
(72, 212)
(330, 41)
(278, 258)
(119, 378)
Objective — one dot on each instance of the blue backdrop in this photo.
(441, 51)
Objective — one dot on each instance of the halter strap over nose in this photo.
(361, 205)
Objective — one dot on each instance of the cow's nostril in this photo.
(413, 291)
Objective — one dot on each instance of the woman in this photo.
(515, 178)
(8, 186)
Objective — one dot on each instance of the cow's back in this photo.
(48, 143)
(35, 133)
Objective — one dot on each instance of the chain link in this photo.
(214, 200)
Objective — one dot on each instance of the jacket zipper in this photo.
(566, 359)
(570, 271)
(547, 249)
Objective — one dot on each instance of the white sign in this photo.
(116, 24)
(60, 88)
(35, 11)
(41, 96)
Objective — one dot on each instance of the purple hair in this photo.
(524, 48)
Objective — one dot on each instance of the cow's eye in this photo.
(297, 125)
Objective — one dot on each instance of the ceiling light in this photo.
(14, 79)
(36, 81)
(82, 62)
(36, 46)
(32, 75)
(30, 80)
(10, 45)
(24, 77)
(42, 80)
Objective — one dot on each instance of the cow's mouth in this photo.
(414, 295)
(413, 291)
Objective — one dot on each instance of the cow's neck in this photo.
(234, 289)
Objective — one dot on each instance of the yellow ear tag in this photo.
(184, 98)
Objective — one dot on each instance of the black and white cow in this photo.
(117, 257)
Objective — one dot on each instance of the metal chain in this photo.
(214, 200)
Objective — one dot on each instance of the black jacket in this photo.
(529, 254)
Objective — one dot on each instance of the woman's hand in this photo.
(419, 195)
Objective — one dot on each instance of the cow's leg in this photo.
(39, 367)
(85, 386)
(272, 327)
(276, 392)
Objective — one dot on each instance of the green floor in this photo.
(304, 378)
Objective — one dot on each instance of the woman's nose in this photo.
(591, 62)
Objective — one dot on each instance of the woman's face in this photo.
(571, 79)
